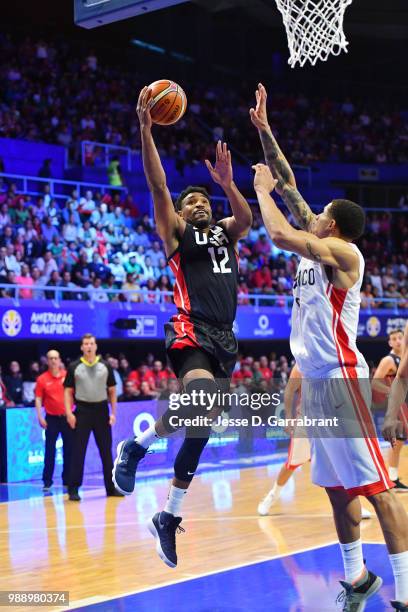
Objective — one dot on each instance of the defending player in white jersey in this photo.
(323, 341)
(299, 447)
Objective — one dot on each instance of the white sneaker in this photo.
(265, 505)
(365, 514)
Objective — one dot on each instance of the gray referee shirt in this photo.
(90, 381)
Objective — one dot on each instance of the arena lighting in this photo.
(148, 46)
(181, 57)
(94, 13)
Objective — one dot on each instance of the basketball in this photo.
(169, 102)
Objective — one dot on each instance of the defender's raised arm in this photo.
(330, 251)
(278, 164)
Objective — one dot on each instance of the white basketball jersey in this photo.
(325, 322)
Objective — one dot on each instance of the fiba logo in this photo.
(11, 323)
(373, 326)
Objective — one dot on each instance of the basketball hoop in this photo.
(314, 29)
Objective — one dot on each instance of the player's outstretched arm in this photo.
(332, 252)
(240, 223)
(393, 428)
(168, 223)
(279, 165)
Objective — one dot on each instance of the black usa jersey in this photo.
(206, 271)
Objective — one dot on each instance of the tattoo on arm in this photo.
(275, 158)
(286, 180)
(314, 256)
(298, 207)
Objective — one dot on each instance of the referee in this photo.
(90, 385)
(49, 392)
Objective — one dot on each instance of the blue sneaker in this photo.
(163, 527)
(129, 453)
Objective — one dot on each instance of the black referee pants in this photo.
(56, 425)
(93, 419)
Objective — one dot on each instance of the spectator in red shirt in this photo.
(26, 280)
(49, 393)
(262, 279)
(146, 375)
(244, 372)
(142, 374)
(134, 377)
(170, 373)
(159, 374)
(264, 369)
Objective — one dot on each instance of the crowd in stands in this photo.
(149, 378)
(93, 242)
(54, 93)
(99, 248)
(385, 248)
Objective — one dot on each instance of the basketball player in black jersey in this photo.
(383, 377)
(200, 342)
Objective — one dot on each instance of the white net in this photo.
(314, 29)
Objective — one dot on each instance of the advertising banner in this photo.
(25, 441)
(41, 320)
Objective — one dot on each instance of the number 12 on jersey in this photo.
(220, 267)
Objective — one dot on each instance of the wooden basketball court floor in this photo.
(230, 559)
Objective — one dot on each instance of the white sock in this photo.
(174, 500)
(399, 564)
(276, 490)
(147, 437)
(393, 472)
(353, 561)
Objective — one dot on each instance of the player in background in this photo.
(200, 343)
(299, 447)
(393, 428)
(382, 380)
(323, 341)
